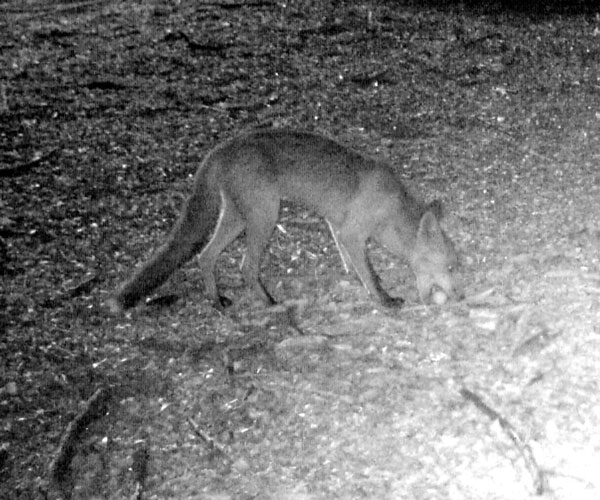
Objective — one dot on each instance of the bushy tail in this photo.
(191, 232)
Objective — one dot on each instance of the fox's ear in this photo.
(436, 207)
(429, 228)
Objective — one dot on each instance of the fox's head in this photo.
(434, 260)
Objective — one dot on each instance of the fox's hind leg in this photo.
(229, 226)
(260, 222)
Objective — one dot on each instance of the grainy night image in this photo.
(416, 187)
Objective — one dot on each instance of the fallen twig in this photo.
(84, 286)
(60, 7)
(238, 5)
(524, 449)
(60, 467)
(3, 99)
(210, 443)
(140, 471)
(28, 165)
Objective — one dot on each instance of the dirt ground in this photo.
(106, 109)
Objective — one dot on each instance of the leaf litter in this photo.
(107, 108)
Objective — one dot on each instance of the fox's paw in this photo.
(392, 302)
(222, 303)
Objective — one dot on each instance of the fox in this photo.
(239, 187)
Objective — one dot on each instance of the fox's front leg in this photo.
(342, 251)
(356, 251)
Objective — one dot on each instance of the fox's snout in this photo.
(428, 285)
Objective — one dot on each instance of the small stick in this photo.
(3, 99)
(60, 467)
(23, 168)
(139, 468)
(211, 444)
(524, 449)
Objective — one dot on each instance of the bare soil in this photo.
(106, 109)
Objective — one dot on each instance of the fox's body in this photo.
(240, 185)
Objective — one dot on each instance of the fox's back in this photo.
(300, 166)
